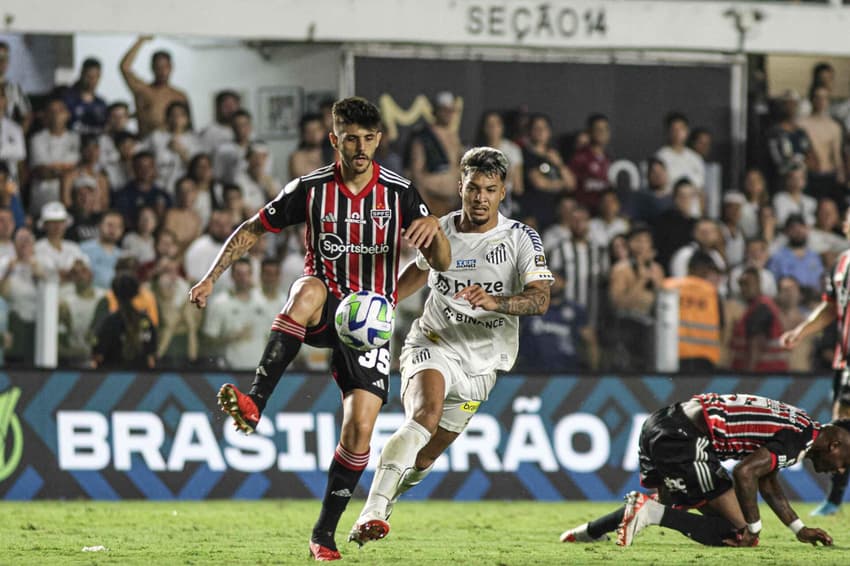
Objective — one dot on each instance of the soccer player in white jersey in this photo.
(467, 332)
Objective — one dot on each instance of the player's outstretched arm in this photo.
(823, 315)
(411, 280)
(236, 245)
(774, 496)
(533, 300)
(426, 235)
(746, 475)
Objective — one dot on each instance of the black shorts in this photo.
(352, 369)
(679, 459)
(841, 387)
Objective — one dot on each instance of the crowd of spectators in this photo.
(128, 208)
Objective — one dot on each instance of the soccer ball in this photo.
(364, 320)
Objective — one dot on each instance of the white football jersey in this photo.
(502, 261)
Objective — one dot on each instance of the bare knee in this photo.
(356, 436)
(428, 415)
(306, 300)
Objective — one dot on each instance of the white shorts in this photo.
(464, 393)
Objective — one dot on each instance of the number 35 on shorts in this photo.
(379, 358)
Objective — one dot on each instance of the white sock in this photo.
(398, 455)
(411, 477)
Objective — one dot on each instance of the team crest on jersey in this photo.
(465, 264)
(381, 216)
(497, 255)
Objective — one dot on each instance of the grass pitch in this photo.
(276, 532)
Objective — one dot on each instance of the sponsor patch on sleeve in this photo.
(540, 260)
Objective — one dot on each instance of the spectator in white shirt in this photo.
(201, 253)
(7, 229)
(219, 132)
(230, 158)
(117, 121)
(609, 223)
(54, 248)
(54, 151)
(756, 256)
(236, 322)
(270, 292)
(707, 238)
(19, 275)
(733, 235)
(681, 161)
(77, 306)
(174, 146)
(17, 104)
(756, 196)
(258, 187)
(792, 200)
(141, 243)
(13, 147)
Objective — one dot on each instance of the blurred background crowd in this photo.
(127, 202)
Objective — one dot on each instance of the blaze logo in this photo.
(11, 436)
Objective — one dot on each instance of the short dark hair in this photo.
(307, 118)
(841, 423)
(756, 240)
(677, 186)
(595, 117)
(139, 155)
(650, 161)
(119, 104)
(160, 54)
(230, 187)
(241, 113)
(637, 229)
(485, 160)
(123, 135)
(111, 212)
(357, 110)
(675, 117)
(4, 45)
(125, 286)
(242, 261)
(227, 93)
(4, 168)
(794, 219)
(701, 261)
(540, 116)
(819, 68)
(88, 139)
(91, 63)
(179, 104)
(697, 132)
(752, 270)
(269, 261)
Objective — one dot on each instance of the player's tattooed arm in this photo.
(239, 242)
(534, 300)
(236, 246)
(774, 496)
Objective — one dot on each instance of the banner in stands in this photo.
(117, 436)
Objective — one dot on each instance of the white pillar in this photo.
(667, 331)
(47, 323)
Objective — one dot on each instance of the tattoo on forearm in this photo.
(237, 245)
(775, 498)
(530, 302)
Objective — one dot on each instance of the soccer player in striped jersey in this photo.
(468, 331)
(357, 214)
(681, 448)
(835, 307)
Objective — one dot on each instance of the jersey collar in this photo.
(366, 190)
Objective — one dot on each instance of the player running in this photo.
(467, 332)
(681, 448)
(356, 214)
(835, 307)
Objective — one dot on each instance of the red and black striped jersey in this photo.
(741, 424)
(353, 240)
(838, 292)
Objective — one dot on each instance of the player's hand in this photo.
(791, 338)
(814, 536)
(421, 231)
(476, 297)
(199, 293)
(743, 538)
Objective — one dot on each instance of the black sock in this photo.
(838, 485)
(283, 345)
(704, 529)
(606, 524)
(343, 475)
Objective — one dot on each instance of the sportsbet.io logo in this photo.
(11, 436)
(332, 247)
